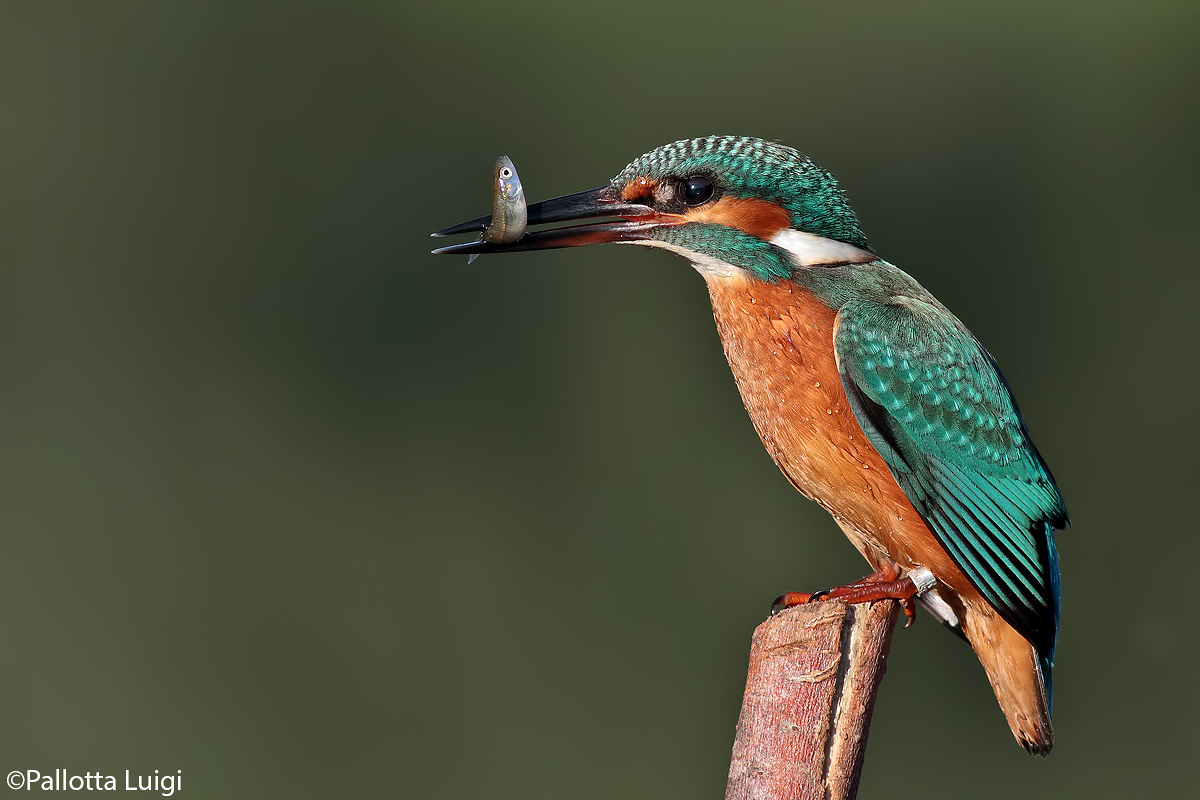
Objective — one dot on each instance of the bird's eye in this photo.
(695, 190)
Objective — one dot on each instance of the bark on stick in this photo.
(814, 671)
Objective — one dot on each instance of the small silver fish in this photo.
(509, 215)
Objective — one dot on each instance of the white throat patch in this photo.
(705, 265)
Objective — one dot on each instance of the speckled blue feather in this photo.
(761, 259)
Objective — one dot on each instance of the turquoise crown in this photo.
(743, 166)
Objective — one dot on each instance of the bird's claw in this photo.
(867, 590)
(789, 599)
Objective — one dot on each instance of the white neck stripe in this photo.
(810, 250)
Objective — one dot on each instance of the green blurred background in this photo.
(300, 510)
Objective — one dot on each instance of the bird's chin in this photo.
(634, 223)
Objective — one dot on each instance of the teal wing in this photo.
(934, 404)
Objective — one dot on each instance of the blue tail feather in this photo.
(1047, 659)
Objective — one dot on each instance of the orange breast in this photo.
(779, 342)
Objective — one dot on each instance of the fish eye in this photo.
(695, 190)
(505, 173)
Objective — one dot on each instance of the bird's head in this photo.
(726, 203)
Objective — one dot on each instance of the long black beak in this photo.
(636, 220)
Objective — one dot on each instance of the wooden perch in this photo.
(814, 671)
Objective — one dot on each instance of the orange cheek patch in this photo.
(759, 218)
(641, 188)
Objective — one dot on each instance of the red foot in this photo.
(882, 585)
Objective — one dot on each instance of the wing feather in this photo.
(934, 404)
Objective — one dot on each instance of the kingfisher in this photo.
(871, 396)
